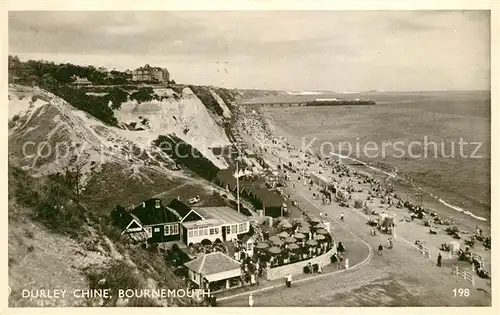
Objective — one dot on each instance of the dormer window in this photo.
(157, 204)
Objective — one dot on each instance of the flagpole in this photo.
(237, 186)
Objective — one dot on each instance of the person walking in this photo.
(251, 301)
(342, 216)
(252, 279)
(380, 248)
(289, 280)
(320, 267)
(439, 260)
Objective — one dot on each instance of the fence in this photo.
(464, 273)
(424, 251)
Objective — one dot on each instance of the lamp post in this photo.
(237, 186)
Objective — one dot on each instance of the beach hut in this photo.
(367, 209)
(342, 195)
(386, 220)
(358, 204)
(454, 247)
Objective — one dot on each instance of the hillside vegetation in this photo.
(59, 229)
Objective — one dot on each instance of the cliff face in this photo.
(182, 114)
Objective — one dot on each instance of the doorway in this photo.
(224, 232)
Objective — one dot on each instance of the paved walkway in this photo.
(400, 277)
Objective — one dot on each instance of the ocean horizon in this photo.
(459, 184)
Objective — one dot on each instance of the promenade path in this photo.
(400, 277)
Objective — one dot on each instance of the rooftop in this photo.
(149, 214)
(214, 216)
(213, 263)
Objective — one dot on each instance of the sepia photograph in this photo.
(249, 158)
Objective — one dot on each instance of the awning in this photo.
(224, 275)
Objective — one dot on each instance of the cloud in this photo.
(340, 50)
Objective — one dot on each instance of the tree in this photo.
(117, 96)
(48, 80)
(73, 175)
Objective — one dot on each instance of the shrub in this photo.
(144, 94)
(117, 96)
(96, 106)
(183, 153)
(207, 99)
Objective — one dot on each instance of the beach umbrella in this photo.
(312, 242)
(304, 230)
(262, 246)
(322, 231)
(304, 223)
(274, 238)
(321, 226)
(274, 250)
(283, 234)
(319, 237)
(285, 224)
(293, 246)
(299, 236)
(278, 242)
(315, 220)
(291, 239)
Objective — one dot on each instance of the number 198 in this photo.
(460, 292)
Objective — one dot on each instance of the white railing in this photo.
(424, 251)
(464, 273)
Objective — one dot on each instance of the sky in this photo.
(342, 51)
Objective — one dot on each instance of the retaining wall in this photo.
(298, 267)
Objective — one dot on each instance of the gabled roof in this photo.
(245, 237)
(149, 214)
(181, 208)
(213, 263)
(215, 216)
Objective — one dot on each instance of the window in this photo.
(148, 231)
(176, 229)
(216, 230)
(190, 233)
(157, 204)
(195, 232)
(168, 230)
(157, 229)
(212, 231)
(234, 229)
(242, 228)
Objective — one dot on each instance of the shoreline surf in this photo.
(431, 198)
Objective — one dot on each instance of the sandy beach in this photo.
(266, 140)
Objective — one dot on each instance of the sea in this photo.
(434, 147)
